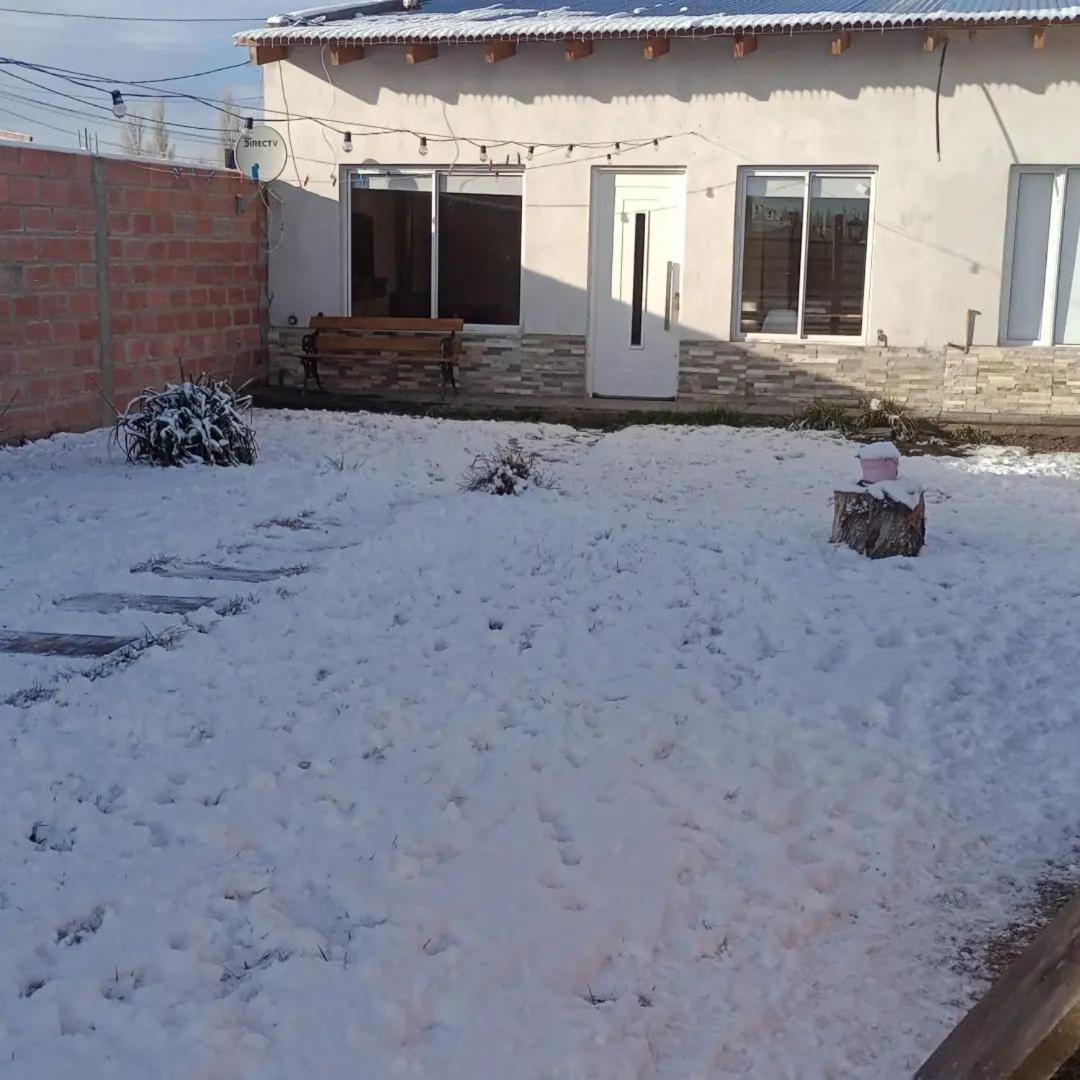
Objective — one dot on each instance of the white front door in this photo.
(638, 222)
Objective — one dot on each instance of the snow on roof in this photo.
(473, 20)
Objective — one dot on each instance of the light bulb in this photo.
(347, 144)
(618, 147)
(570, 150)
(529, 155)
(483, 153)
(423, 146)
(609, 159)
(249, 123)
(656, 144)
(119, 108)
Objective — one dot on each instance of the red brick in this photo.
(88, 331)
(26, 307)
(37, 218)
(11, 218)
(25, 189)
(52, 305)
(5, 188)
(65, 277)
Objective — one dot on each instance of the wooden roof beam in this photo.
(267, 54)
(932, 39)
(744, 45)
(840, 43)
(495, 51)
(578, 49)
(654, 48)
(420, 51)
(1038, 38)
(345, 54)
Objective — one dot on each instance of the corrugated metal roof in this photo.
(466, 20)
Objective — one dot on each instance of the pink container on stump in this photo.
(879, 461)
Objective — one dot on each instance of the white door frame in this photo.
(594, 225)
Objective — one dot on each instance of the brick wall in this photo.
(111, 273)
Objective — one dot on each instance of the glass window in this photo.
(804, 250)
(479, 237)
(470, 234)
(836, 255)
(772, 254)
(391, 246)
(1042, 291)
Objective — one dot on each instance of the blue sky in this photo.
(125, 50)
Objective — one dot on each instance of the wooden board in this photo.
(210, 572)
(1028, 1023)
(110, 603)
(375, 322)
(37, 644)
(336, 343)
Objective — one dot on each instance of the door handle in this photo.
(672, 299)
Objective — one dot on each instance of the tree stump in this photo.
(879, 524)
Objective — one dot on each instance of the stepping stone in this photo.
(14, 641)
(222, 573)
(110, 603)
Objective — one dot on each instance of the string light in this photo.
(656, 144)
(483, 153)
(529, 154)
(119, 106)
(570, 150)
(423, 146)
(249, 123)
(618, 147)
(347, 144)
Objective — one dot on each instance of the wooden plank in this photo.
(268, 54)
(744, 45)
(110, 603)
(338, 343)
(421, 51)
(932, 39)
(211, 572)
(378, 322)
(499, 50)
(345, 54)
(33, 643)
(840, 43)
(1027, 1024)
(578, 50)
(654, 48)
(1038, 38)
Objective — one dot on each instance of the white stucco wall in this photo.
(939, 228)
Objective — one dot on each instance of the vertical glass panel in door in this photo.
(480, 248)
(1031, 242)
(772, 254)
(390, 270)
(836, 255)
(1067, 320)
(637, 298)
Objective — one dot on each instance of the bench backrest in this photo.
(379, 325)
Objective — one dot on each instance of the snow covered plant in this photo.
(506, 470)
(199, 419)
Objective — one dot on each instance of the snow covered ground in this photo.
(634, 778)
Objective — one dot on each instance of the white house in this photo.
(755, 202)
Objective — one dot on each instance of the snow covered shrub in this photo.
(885, 413)
(197, 419)
(506, 470)
(822, 415)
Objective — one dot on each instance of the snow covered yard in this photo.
(634, 778)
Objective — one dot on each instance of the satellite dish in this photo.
(260, 153)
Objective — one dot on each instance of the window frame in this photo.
(1059, 176)
(434, 173)
(807, 175)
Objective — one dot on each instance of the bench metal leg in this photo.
(311, 371)
(446, 371)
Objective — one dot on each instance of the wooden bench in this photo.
(410, 339)
(1028, 1023)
